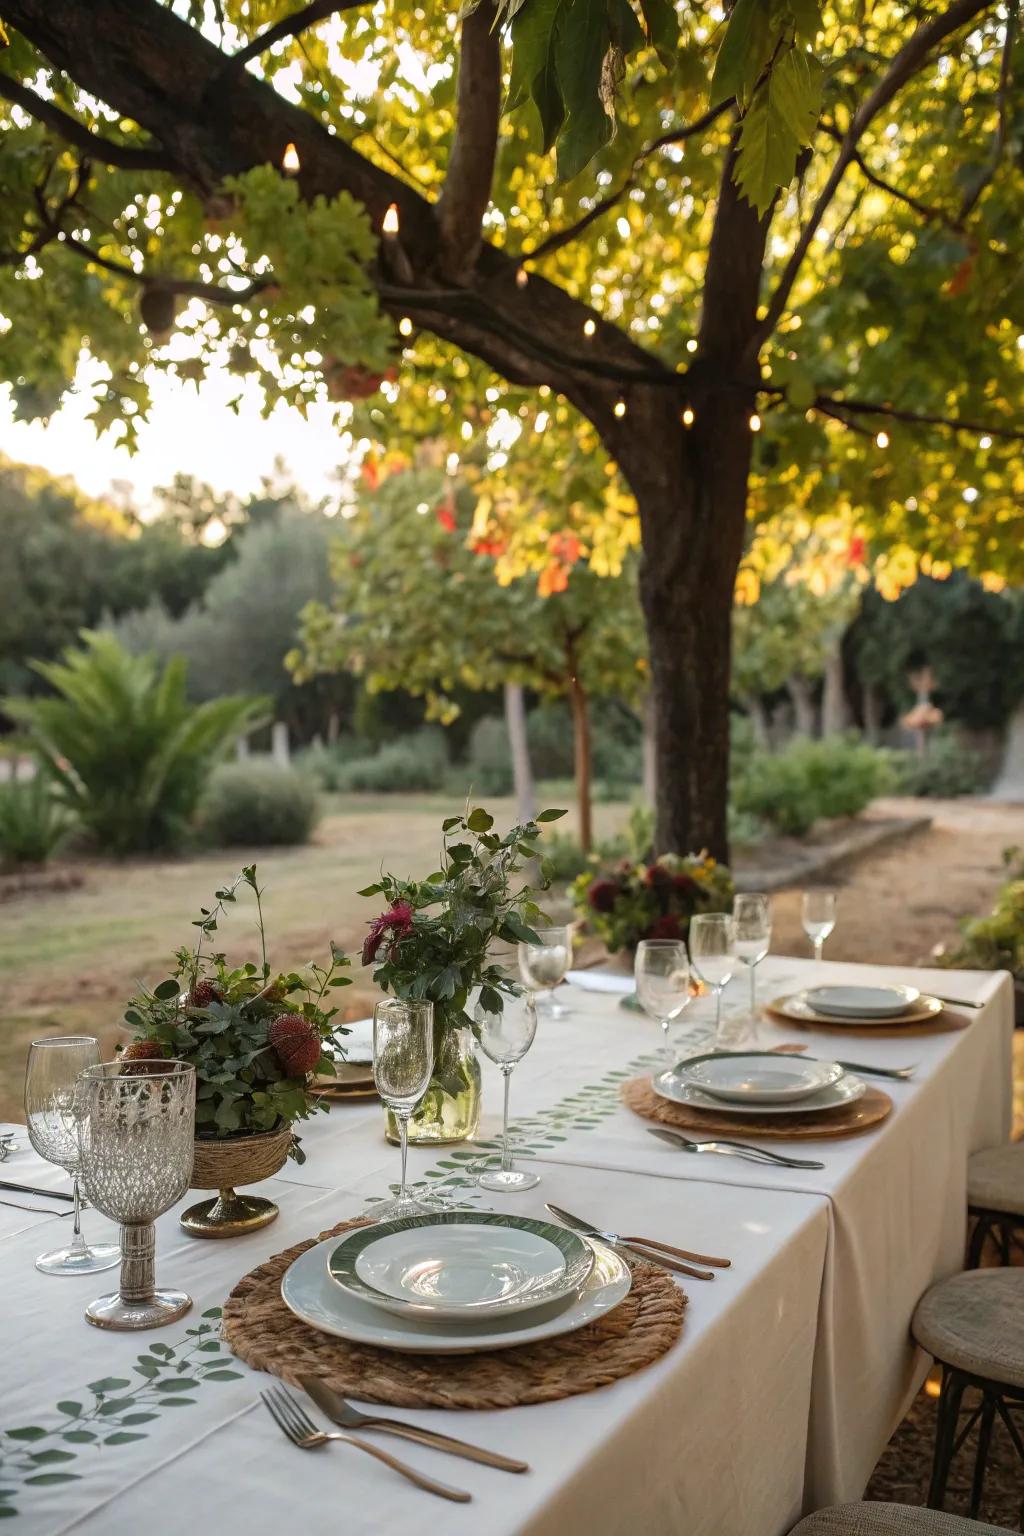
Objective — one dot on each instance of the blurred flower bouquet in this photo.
(651, 901)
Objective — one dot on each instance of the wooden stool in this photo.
(995, 1197)
(887, 1520)
(973, 1325)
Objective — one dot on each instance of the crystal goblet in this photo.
(136, 1126)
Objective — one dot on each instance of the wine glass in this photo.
(662, 971)
(542, 966)
(713, 953)
(506, 1037)
(403, 1059)
(136, 1137)
(819, 917)
(50, 1079)
(752, 916)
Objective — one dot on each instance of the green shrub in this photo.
(32, 824)
(490, 757)
(948, 768)
(808, 781)
(549, 733)
(129, 755)
(564, 857)
(256, 804)
(416, 762)
(325, 765)
(995, 942)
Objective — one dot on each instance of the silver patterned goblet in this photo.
(136, 1125)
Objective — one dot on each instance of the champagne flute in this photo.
(50, 1080)
(819, 917)
(506, 1037)
(752, 915)
(662, 972)
(403, 1059)
(713, 952)
(543, 965)
(136, 1126)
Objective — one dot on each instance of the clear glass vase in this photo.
(450, 1109)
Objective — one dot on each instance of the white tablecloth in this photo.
(791, 1369)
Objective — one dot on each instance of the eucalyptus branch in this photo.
(125, 157)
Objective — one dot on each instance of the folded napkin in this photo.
(601, 981)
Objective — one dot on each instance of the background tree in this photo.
(653, 291)
(416, 606)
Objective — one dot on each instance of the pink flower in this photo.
(397, 922)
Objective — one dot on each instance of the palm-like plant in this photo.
(128, 753)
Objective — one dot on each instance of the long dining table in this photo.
(792, 1369)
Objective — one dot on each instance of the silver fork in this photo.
(731, 1149)
(301, 1431)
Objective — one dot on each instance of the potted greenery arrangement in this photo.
(255, 1039)
(432, 943)
(651, 900)
(996, 942)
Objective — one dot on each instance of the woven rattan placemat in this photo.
(260, 1330)
(943, 1024)
(847, 1121)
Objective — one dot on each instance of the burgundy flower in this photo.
(396, 921)
(684, 885)
(667, 927)
(603, 895)
(658, 875)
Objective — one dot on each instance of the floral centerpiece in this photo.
(256, 1038)
(433, 940)
(651, 900)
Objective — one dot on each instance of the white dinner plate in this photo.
(670, 1086)
(308, 1290)
(863, 1002)
(758, 1077)
(461, 1265)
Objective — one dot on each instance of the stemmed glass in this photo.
(543, 965)
(752, 916)
(50, 1078)
(819, 916)
(403, 1059)
(662, 972)
(506, 1037)
(136, 1136)
(713, 952)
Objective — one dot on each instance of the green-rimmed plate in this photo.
(461, 1266)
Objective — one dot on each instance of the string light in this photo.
(688, 417)
(290, 162)
(755, 422)
(970, 493)
(589, 327)
(405, 326)
(691, 345)
(882, 440)
(390, 224)
(522, 277)
(620, 407)
(467, 431)
(985, 442)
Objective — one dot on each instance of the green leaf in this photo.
(71, 1409)
(167, 989)
(224, 1376)
(806, 16)
(779, 121)
(551, 815)
(450, 822)
(478, 820)
(79, 1436)
(31, 1432)
(746, 49)
(138, 1418)
(370, 890)
(583, 42)
(51, 1479)
(47, 1458)
(662, 25)
(122, 1439)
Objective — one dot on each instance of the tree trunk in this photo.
(580, 705)
(650, 767)
(759, 721)
(801, 691)
(872, 714)
(522, 769)
(834, 715)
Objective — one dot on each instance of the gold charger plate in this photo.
(846, 1120)
(354, 1080)
(927, 1017)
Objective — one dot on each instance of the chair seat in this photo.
(975, 1322)
(995, 1179)
(887, 1520)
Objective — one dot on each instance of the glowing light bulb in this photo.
(970, 493)
(882, 440)
(688, 417)
(405, 326)
(467, 431)
(390, 224)
(522, 277)
(691, 345)
(620, 408)
(755, 422)
(589, 327)
(985, 442)
(290, 162)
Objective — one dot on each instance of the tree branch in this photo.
(1003, 108)
(832, 406)
(192, 288)
(925, 211)
(291, 26)
(124, 156)
(467, 186)
(674, 136)
(903, 67)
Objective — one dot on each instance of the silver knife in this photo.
(587, 1229)
(730, 1149)
(341, 1412)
